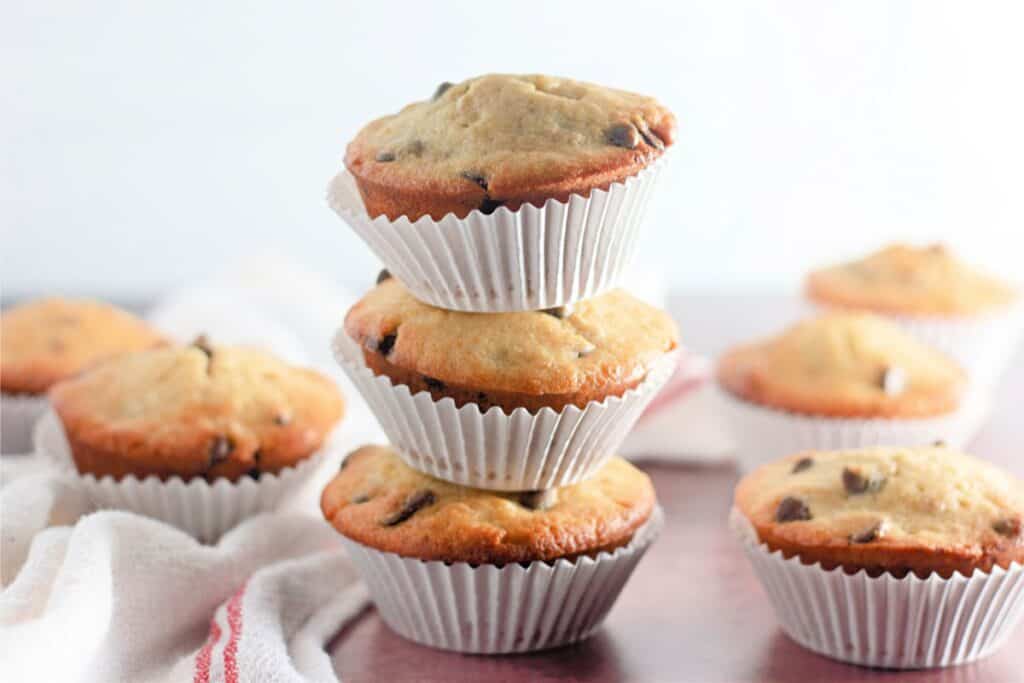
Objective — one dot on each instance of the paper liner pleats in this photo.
(490, 609)
(763, 434)
(518, 451)
(907, 623)
(527, 259)
(203, 509)
(18, 416)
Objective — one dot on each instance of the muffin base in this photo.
(519, 451)
(483, 399)
(492, 609)
(762, 434)
(885, 621)
(18, 416)
(203, 509)
(523, 260)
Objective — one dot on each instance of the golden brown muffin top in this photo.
(507, 134)
(381, 502)
(198, 410)
(610, 339)
(903, 279)
(45, 341)
(844, 365)
(916, 509)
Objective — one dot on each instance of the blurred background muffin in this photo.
(48, 340)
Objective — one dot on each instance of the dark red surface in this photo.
(693, 611)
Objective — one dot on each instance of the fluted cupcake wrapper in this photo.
(983, 345)
(491, 609)
(18, 416)
(762, 434)
(907, 623)
(517, 451)
(203, 509)
(522, 260)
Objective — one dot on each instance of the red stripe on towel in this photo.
(205, 653)
(235, 627)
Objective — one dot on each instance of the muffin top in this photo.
(379, 501)
(501, 138)
(912, 509)
(902, 279)
(45, 341)
(611, 339)
(844, 365)
(197, 410)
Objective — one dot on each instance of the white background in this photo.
(146, 144)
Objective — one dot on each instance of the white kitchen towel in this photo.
(118, 597)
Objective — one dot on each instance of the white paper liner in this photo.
(203, 509)
(983, 345)
(521, 260)
(763, 434)
(520, 451)
(490, 609)
(908, 623)
(18, 416)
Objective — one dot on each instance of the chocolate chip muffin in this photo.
(913, 281)
(45, 341)
(504, 140)
(195, 411)
(567, 356)
(380, 502)
(921, 510)
(844, 365)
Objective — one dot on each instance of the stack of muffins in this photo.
(501, 362)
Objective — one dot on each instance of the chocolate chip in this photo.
(441, 89)
(583, 353)
(475, 177)
(893, 381)
(385, 157)
(538, 500)
(939, 444)
(560, 312)
(360, 499)
(857, 483)
(414, 148)
(220, 449)
(254, 473)
(433, 384)
(649, 136)
(202, 342)
(1009, 527)
(282, 419)
(792, 510)
(384, 345)
(383, 275)
(623, 135)
(801, 465)
(413, 504)
(489, 206)
(872, 533)
(343, 465)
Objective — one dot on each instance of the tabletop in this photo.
(693, 611)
